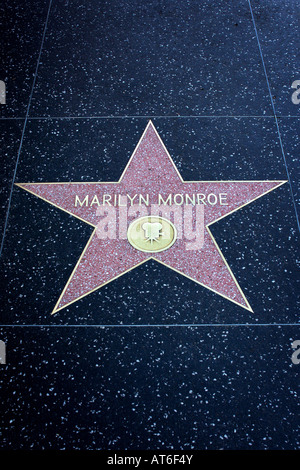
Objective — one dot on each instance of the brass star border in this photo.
(150, 170)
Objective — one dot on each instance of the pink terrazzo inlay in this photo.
(150, 173)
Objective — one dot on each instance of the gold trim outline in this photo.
(247, 307)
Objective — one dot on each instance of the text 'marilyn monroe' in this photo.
(210, 199)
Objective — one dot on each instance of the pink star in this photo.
(150, 171)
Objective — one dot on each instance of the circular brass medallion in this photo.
(151, 234)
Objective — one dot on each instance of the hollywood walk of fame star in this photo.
(150, 171)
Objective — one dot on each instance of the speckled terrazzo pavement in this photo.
(151, 360)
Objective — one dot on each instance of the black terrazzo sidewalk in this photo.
(152, 360)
